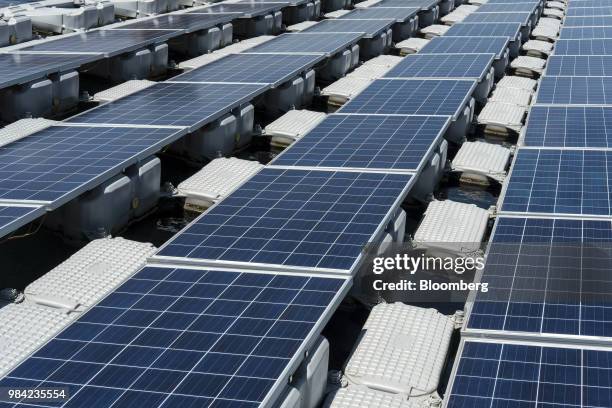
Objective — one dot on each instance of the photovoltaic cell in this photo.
(184, 22)
(466, 45)
(372, 142)
(179, 337)
(173, 104)
(573, 65)
(252, 68)
(308, 43)
(293, 219)
(547, 277)
(591, 21)
(579, 33)
(584, 47)
(20, 68)
(247, 10)
(560, 182)
(575, 90)
(422, 4)
(412, 97)
(517, 17)
(442, 66)
(14, 217)
(575, 126)
(592, 3)
(60, 162)
(107, 42)
(510, 30)
(507, 8)
(370, 28)
(589, 11)
(522, 375)
(377, 13)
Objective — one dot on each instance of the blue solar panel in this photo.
(575, 126)
(412, 97)
(520, 375)
(510, 30)
(589, 11)
(507, 8)
(591, 3)
(173, 104)
(186, 338)
(21, 68)
(560, 182)
(61, 162)
(252, 68)
(579, 33)
(308, 43)
(14, 217)
(592, 21)
(521, 18)
(107, 42)
(371, 28)
(573, 65)
(372, 142)
(584, 47)
(443, 66)
(547, 277)
(293, 218)
(185, 22)
(575, 90)
(466, 45)
(377, 13)
(246, 10)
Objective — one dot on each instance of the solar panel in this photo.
(575, 126)
(517, 17)
(466, 45)
(575, 91)
(579, 33)
(589, 11)
(584, 47)
(534, 2)
(422, 4)
(61, 162)
(510, 30)
(507, 8)
(377, 13)
(592, 3)
(7, 3)
(546, 277)
(293, 219)
(367, 142)
(579, 65)
(107, 42)
(412, 97)
(248, 10)
(591, 21)
(529, 375)
(284, 2)
(252, 68)
(185, 22)
(20, 68)
(442, 66)
(181, 337)
(554, 181)
(308, 43)
(14, 217)
(173, 104)
(371, 28)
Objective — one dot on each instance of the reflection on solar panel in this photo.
(187, 22)
(173, 104)
(412, 97)
(579, 66)
(519, 375)
(248, 10)
(507, 8)
(575, 90)
(308, 43)
(578, 33)
(442, 66)
(373, 142)
(293, 218)
(560, 182)
(589, 11)
(107, 42)
(584, 47)
(557, 126)
(20, 68)
(592, 21)
(371, 28)
(466, 45)
(510, 30)
(374, 13)
(181, 337)
(522, 18)
(14, 217)
(254, 68)
(547, 276)
(62, 161)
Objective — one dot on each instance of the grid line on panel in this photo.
(488, 18)
(597, 46)
(304, 43)
(465, 45)
(589, 11)
(506, 8)
(555, 90)
(574, 65)
(510, 30)
(442, 66)
(369, 27)
(583, 33)
(590, 21)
